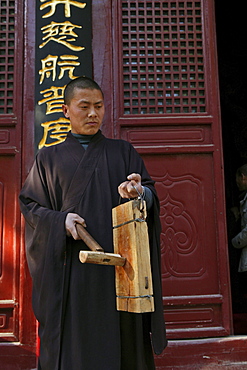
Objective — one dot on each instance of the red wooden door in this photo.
(160, 78)
(156, 62)
(17, 330)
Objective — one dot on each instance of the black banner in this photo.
(63, 52)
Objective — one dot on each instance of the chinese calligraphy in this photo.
(53, 98)
(57, 65)
(63, 31)
(57, 129)
(68, 62)
(54, 3)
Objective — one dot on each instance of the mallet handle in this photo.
(88, 239)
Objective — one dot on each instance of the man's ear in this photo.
(65, 109)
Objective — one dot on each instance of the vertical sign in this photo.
(63, 52)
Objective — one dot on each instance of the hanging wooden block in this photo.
(134, 286)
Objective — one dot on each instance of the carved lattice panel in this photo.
(7, 49)
(163, 62)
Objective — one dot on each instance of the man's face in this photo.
(241, 182)
(85, 111)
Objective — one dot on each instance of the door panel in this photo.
(190, 278)
(10, 121)
(17, 329)
(9, 257)
(156, 63)
(165, 102)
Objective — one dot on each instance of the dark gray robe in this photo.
(79, 326)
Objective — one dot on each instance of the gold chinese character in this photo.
(57, 129)
(68, 65)
(63, 31)
(53, 98)
(50, 63)
(54, 3)
(48, 68)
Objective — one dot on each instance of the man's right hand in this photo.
(71, 220)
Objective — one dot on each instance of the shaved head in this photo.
(79, 83)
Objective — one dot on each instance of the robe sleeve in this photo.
(158, 329)
(45, 246)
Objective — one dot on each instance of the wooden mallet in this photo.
(97, 254)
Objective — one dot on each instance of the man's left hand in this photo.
(131, 187)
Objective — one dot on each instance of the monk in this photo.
(79, 182)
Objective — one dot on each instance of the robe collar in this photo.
(86, 165)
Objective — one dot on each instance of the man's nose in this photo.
(92, 112)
